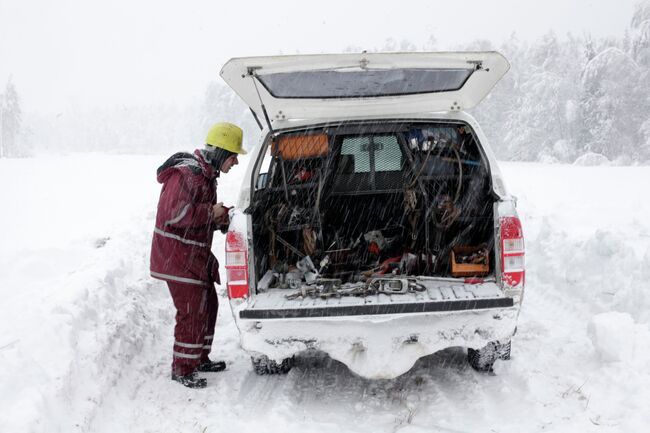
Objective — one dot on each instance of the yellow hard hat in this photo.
(226, 136)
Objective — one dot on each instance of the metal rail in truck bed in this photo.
(439, 296)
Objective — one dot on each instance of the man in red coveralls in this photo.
(188, 214)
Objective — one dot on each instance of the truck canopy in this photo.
(367, 84)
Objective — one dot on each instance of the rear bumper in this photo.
(380, 309)
(380, 344)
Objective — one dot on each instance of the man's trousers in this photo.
(196, 314)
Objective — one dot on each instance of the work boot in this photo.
(211, 366)
(190, 380)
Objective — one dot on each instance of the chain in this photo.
(375, 286)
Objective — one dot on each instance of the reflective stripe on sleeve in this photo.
(188, 345)
(178, 238)
(208, 337)
(179, 217)
(186, 355)
(179, 279)
(207, 347)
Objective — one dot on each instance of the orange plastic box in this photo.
(468, 269)
(301, 146)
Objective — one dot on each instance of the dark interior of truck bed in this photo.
(346, 204)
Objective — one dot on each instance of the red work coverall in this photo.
(181, 255)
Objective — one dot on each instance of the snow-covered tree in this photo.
(645, 134)
(640, 51)
(220, 103)
(590, 51)
(10, 121)
(392, 45)
(640, 27)
(533, 110)
(541, 119)
(613, 104)
(431, 44)
(502, 101)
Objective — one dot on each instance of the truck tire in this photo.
(263, 365)
(504, 350)
(483, 359)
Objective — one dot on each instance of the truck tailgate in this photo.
(439, 296)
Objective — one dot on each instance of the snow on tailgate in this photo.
(436, 291)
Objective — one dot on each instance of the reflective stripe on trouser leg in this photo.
(188, 345)
(208, 342)
(191, 315)
(186, 355)
(212, 305)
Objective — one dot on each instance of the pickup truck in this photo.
(373, 223)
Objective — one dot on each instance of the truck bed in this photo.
(439, 296)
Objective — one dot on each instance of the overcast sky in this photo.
(89, 53)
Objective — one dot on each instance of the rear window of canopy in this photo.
(365, 83)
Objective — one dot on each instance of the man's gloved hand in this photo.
(220, 214)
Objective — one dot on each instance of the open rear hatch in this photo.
(366, 84)
(372, 218)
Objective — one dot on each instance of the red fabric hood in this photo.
(194, 162)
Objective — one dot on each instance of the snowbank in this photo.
(618, 339)
(591, 159)
(587, 233)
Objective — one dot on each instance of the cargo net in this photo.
(347, 214)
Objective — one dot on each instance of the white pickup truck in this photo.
(373, 223)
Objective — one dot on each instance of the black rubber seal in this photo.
(370, 309)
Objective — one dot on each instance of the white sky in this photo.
(88, 53)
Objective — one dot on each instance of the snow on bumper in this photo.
(378, 347)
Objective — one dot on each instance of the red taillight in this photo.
(237, 265)
(512, 251)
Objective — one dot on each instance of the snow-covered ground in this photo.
(86, 335)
